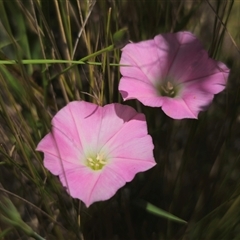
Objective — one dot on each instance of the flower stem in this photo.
(107, 49)
(36, 236)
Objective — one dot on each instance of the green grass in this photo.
(48, 59)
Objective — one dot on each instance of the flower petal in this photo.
(180, 58)
(131, 167)
(114, 117)
(133, 134)
(177, 108)
(132, 157)
(214, 82)
(90, 186)
(120, 123)
(140, 90)
(80, 121)
(188, 106)
(118, 131)
(183, 53)
(60, 152)
(142, 61)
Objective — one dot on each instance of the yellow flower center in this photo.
(96, 163)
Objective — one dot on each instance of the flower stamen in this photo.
(167, 89)
(96, 163)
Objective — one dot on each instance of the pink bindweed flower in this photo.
(95, 150)
(171, 71)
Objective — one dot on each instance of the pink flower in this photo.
(171, 71)
(95, 150)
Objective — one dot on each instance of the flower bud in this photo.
(120, 38)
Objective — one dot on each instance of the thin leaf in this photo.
(158, 211)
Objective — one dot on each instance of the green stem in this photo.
(36, 236)
(107, 49)
(50, 61)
